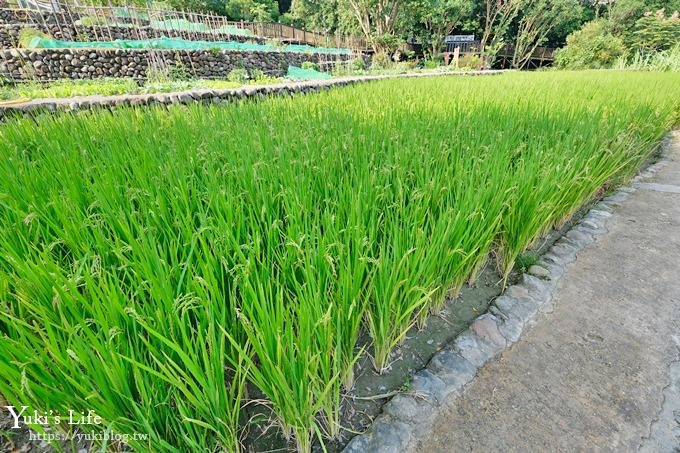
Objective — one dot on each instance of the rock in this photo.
(486, 327)
(593, 224)
(452, 368)
(358, 444)
(599, 213)
(511, 328)
(408, 408)
(537, 287)
(517, 291)
(564, 251)
(540, 272)
(385, 436)
(429, 387)
(475, 349)
(524, 309)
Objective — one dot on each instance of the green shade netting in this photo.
(185, 25)
(178, 44)
(295, 73)
(174, 25)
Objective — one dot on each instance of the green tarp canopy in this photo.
(295, 73)
(179, 44)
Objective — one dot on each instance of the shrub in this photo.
(381, 60)
(156, 75)
(357, 64)
(27, 34)
(666, 60)
(590, 47)
(310, 65)
(238, 75)
(179, 72)
(470, 61)
(261, 78)
(430, 64)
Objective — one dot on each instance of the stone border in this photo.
(408, 415)
(204, 95)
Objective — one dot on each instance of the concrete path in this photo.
(601, 371)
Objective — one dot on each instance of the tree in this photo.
(654, 32)
(377, 20)
(537, 21)
(432, 20)
(328, 16)
(497, 15)
(252, 10)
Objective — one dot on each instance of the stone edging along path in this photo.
(205, 95)
(408, 415)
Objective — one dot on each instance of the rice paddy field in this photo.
(167, 267)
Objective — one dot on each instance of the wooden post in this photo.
(456, 54)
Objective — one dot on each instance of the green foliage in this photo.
(27, 34)
(179, 72)
(622, 15)
(259, 77)
(630, 34)
(310, 65)
(216, 6)
(158, 261)
(665, 60)
(357, 64)
(330, 16)
(88, 21)
(252, 10)
(430, 20)
(525, 261)
(590, 47)
(431, 64)
(537, 20)
(470, 62)
(381, 60)
(175, 72)
(238, 75)
(654, 32)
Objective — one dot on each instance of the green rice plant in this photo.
(158, 262)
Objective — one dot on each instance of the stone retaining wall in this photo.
(8, 17)
(53, 64)
(13, 16)
(9, 34)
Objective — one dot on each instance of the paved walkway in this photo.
(601, 371)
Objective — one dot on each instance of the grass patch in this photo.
(525, 261)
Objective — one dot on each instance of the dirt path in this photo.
(601, 371)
